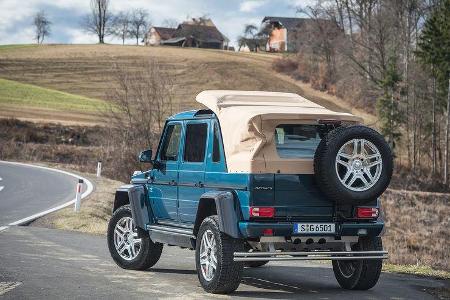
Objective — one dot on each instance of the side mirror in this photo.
(146, 156)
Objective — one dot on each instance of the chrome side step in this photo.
(310, 255)
(171, 235)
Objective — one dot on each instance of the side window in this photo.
(195, 144)
(216, 144)
(169, 150)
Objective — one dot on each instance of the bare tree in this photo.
(42, 26)
(139, 104)
(139, 23)
(252, 37)
(170, 23)
(98, 21)
(120, 26)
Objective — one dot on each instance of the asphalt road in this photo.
(27, 190)
(42, 263)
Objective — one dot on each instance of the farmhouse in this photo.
(200, 33)
(285, 32)
(157, 34)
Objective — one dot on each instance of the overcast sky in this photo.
(230, 16)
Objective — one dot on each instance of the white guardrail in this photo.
(87, 192)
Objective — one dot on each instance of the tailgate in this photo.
(294, 196)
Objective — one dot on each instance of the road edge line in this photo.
(86, 193)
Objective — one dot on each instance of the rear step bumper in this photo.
(250, 229)
(310, 255)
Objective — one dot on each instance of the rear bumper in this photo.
(255, 229)
(311, 255)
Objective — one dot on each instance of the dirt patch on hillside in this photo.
(43, 115)
(51, 143)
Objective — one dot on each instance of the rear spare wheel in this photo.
(353, 165)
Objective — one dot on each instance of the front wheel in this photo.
(130, 246)
(217, 272)
(360, 274)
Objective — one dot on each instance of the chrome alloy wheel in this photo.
(358, 165)
(208, 255)
(126, 240)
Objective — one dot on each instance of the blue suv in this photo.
(257, 177)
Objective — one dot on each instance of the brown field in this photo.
(417, 228)
(86, 70)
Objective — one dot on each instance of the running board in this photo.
(311, 255)
(171, 235)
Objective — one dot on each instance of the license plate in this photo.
(314, 228)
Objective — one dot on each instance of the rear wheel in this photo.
(131, 246)
(217, 271)
(360, 274)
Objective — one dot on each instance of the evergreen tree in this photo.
(434, 53)
(387, 106)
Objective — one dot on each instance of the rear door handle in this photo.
(173, 182)
(199, 184)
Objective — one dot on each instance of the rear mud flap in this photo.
(137, 195)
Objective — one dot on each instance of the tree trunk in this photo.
(407, 45)
(391, 121)
(414, 129)
(447, 132)
(433, 130)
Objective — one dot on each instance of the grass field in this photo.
(13, 93)
(31, 102)
(87, 70)
(17, 46)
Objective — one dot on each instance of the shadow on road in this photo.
(172, 271)
(287, 282)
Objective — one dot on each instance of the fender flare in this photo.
(227, 208)
(136, 197)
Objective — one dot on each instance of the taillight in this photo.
(262, 212)
(268, 231)
(367, 212)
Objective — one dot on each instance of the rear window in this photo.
(296, 140)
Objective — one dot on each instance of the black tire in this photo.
(360, 274)
(149, 252)
(326, 174)
(228, 273)
(255, 264)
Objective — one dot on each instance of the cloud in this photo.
(251, 5)
(79, 36)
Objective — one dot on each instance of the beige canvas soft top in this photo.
(248, 120)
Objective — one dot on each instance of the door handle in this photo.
(173, 182)
(199, 184)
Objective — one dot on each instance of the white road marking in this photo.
(3, 228)
(86, 193)
(1, 188)
(8, 286)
